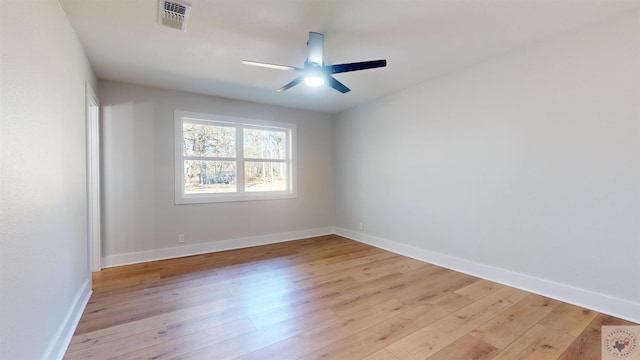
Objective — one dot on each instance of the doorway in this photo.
(93, 180)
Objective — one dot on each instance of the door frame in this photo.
(93, 180)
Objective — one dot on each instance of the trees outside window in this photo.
(220, 158)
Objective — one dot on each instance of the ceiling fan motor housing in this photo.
(316, 43)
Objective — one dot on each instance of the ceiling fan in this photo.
(315, 72)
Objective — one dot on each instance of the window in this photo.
(222, 158)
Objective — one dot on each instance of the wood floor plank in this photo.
(588, 344)
(381, 355)
(176, 346)
(435, 286)
(245, 343)
(141, 309)
(121, 346)
(569, 319)
(433, 338)
(82, 340)
(378, 336)
(380, 268)
(322, 298)
(479, 289)
(503, 329)
(186, 327)
(539, 343)
(327, 333)
(467, 347)
(317, 316)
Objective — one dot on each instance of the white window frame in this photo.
(239, 124)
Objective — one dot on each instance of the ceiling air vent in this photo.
(174, 14)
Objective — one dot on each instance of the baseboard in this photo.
(60, 342)
(585, 298)
(214, 246)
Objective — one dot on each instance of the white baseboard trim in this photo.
(585, 298)
(214, 246)
(60, 342)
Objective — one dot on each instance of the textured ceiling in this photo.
(419, 39)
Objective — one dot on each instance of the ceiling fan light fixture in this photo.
(314, 80)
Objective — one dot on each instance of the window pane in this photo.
(209, 176)
(265, 144)
(208, 140)
(265, 176)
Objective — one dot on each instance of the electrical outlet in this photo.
(361, 226)
(180, 238)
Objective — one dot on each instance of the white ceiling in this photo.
(419, 39)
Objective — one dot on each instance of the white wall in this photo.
(141, 221)
(44, 271)
(526, 166)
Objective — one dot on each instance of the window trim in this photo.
(240, 124)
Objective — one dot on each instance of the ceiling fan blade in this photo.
(293, 83)
(315, 44)
(271, 66)
(363, 65)
(337, 85)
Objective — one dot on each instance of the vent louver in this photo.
(174, 14)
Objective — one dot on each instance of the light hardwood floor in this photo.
(323, 298)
